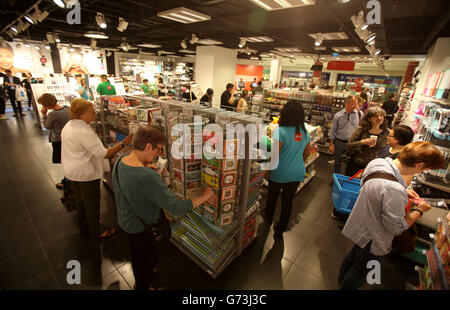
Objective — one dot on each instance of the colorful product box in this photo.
(228, 193)
(210, 181)
(229, 164)
(229, 178)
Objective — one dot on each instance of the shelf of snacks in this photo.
(308, 177)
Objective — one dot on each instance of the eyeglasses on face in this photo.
(160, 150)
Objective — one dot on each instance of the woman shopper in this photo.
(368, 139)
(242, 104)
(379, 213)
(85, 92)
(55, 122)
(141, 196)
(84, 162)
(398, 137)
(294, 147)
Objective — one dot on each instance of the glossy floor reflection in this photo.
(38, 236)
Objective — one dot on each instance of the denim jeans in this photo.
(339, 150)
(354, 270)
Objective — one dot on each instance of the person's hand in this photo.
(331, 148)
(151, 166)
(367, 141)
(44, 111)
(423, 206)
(412, 194)
(127, 139)
(207, 193)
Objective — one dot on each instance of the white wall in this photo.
(215, 68)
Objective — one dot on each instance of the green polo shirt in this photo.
(146, 88)
(106, 88)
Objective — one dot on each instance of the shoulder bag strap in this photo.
(381, 175)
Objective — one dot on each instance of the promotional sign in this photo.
(341, 65)
(21, 59)
(88, 62)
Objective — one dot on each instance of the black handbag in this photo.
(160, 231)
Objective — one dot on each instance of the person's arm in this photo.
(414, 215)
(112, 151)
(81, 90)
(381, 141)
(332, 135)
(355, 143)
(231, 100)
(239, 106)
(394, 201)
(49, 121)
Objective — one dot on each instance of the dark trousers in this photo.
(29, 95)
(2, 106)
(12, 98)
(339, 150)
(354, 270)
(143, 259)
(289, 190)
(353, 167)
(87, 196)
(389, 120)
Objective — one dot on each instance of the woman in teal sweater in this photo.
(140, 195)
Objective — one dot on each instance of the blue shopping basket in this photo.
(345, 192)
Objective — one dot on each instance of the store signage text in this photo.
(188, 144)
(74, 274)
(74, 15)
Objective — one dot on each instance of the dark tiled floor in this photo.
(38, 236)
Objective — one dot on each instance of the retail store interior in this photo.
(215, 66)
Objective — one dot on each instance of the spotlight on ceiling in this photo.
(242, 43)
(14, 29)
(123, 25)
(364, 26)
(57, 40)
(108, 54)
(46, 45)
(377, 52)
(38, 47)
(26, 44)
(100, 19)
(29, 19)
(371, 37)
(372, 42)
(343, 1)
(93, 43)
(319, 39)
(71, 48)
(183, 44)
(60, 3)
(194, 39)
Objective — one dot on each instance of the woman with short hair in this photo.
(84, 163)
(368, 139)
(141, 196)
(379, 213)
(294, 148)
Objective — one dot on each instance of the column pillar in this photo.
(275, 71)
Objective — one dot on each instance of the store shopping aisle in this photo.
(38, 236)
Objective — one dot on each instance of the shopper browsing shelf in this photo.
(206, 100)
(83, 159)
(227, 98)
(55, 122)
(105, 87)
(294, 148)
(85, 92)
(140, 198)
(258, 89)
(379, 213)
(242, 104)
(188, 95)
(344, 124)
(367, 141)
(398, 137)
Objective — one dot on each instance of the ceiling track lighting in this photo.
(100, 19)
(29, 19)
(60, 3)
(371, 37)
(377, 52)
(242, 43)
(194, 39)
(319, 39)
(123, 25)
(183, 44)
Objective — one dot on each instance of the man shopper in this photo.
(11, 82)
(344, 124)
(206, 100)
(391, 107)
(105, 87)
(227, 99)
(258, 89)
(3, 98)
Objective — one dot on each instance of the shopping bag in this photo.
(21, 95)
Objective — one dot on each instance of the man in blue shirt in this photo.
(344, 124)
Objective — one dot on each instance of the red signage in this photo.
(410, 72)
(341, 65)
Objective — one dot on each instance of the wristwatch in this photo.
(421, 213)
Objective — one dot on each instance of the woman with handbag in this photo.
(368, 139)
(141, 196)
(379, 213)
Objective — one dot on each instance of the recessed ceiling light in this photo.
(257, 39)
(343, 1)
(184, 15)
(96, 35)
(14, 29)
(270, 5)
(209, 42)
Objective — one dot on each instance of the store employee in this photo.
(105, 88)
(145, 87)
(227, 99)
(344, 124)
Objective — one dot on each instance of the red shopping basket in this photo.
(345, 192)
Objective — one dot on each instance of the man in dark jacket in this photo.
(11, 82)
(391, 107)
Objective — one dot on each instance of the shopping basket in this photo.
(345, 192)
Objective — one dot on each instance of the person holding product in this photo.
(85, 92)
(294, 148)
(83, 159)
(105, 87)
(242, 104)
(379, 213)
(367, 141)
(398, 137)
(206, 100)
(344, 124)
(55, 122)
(227, 98)
(140, 198)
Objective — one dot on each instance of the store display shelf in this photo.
(436, 100)
(249, 242)
(306, 181)
(311, 160)
(430, 219)
(439, 185)
(422, 277)
(117, 129)
(438, 279)
(318, 138)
